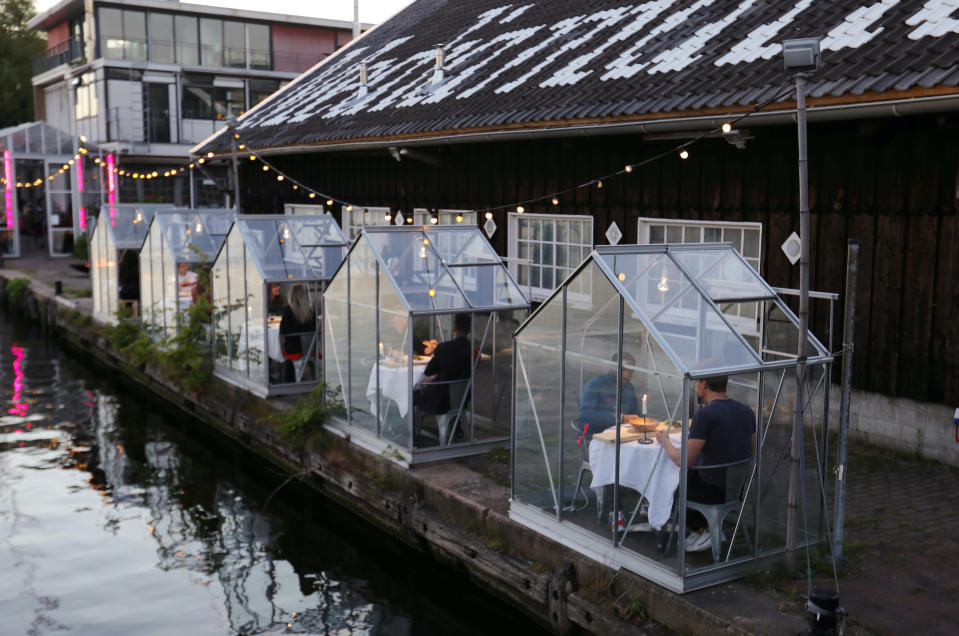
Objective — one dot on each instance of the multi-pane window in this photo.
(187, 40)
(211, 42)
(258, 41)
(745, 237)
(545, 248)
(86, 96)
(260, 89)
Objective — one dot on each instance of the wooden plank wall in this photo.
(893, 184)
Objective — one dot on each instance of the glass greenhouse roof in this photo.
(681, 293)
(39, 138)
(129, 223)
(443, 268)
(194, 236)
(303, 247)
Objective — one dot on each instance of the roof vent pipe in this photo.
(438, 70)
(363, 89)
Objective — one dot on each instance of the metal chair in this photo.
(458, 398)
(302, 359)
(715, 514)
(582, 442)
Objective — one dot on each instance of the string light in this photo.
(252, 157)
(266, 168)
(684, 154)
(279, 177)
(328, 201)
(599, 184)
(312, 195)
(200, 160)
(629, 167)
(555, 201)
(209, 155)
(489, 215)
(520, 209)
(727, 127)
(459, 218)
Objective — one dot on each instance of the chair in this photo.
(582, 442)
(302, 359)
(715, 514)
(458, 399)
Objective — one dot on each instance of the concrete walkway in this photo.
(902, 532)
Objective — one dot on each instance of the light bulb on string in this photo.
(252, 157)
(191, 166)
(349, 208)
(266, 168)
(459, 218)
(155, 173)
(201, 160)
(520, 209)
(279, 177)
(209, 155)
(629, 167)
(236, 135)
(727, 127)
(684, 154)
(489, 215)
(555, 201)
(599, 184)
(329, 201)
(296, 187)
(312, 195)
(388, 217)
(241, 146)
(409, 219)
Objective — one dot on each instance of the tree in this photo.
(18, 46)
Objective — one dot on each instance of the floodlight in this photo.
(801, 55)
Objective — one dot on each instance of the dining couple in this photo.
(723, 431)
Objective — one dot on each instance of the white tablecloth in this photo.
(635, 463)
(393, 384)
(256, 342)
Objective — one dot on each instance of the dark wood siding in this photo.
(890, 183)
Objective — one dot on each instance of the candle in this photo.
(644, 405)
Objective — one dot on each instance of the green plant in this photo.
(16, 287)
(636, 609)
(80, 249)
(305, 419)
(78, 292)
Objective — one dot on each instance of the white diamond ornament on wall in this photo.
(792, 248)
(613, 233)
(490, 228)
(399, 219)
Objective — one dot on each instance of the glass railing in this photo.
(62, 53)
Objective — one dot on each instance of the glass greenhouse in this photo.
(268, 267)
(180, 246)
(115, 258)
(661, 319)
(418, 338)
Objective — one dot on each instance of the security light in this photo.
(801, 55)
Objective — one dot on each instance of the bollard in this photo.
(823, 608)
(57, 288)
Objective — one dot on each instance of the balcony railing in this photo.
(62, 53)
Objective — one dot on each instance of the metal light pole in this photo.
(800, 57)
(849, 316)
(231, 129)
(356, 19)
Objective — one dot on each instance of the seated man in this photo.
(597, 407)
(722, 432)
(452, 360)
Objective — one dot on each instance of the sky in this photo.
(371, 11)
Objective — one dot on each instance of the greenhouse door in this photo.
(60, 212)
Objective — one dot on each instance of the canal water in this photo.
(120, 515)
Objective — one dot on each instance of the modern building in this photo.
(147, 79)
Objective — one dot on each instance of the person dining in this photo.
(297, 326)
(186, 282)
(723, 431)
(597, 406)
(452, 360)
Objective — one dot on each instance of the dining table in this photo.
(645, 468)
(394, 381)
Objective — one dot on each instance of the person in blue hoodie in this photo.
(597, 406)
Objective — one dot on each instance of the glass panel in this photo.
(734, 236)
(363, 337)
(243, 348)
(693, 235)
(657, 234)
(421, 278)
(227, 102)
(462, 246)
(211, 42)
(336, 331)
(259, 52)
(712, 235)
(234, 44)
(751, 244)
(778, 415)
(187, 40)
(537, 424)
(722, 274)
(224, 344)
(111, 33)
(395, 392)
(674, 234)
(161, 38)
(257, 326)
(135, 34)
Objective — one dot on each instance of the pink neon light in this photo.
(79, 173)
(18, 408)
(83, 217)
(111, 180)
(8, 191)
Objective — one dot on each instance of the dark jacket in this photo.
(290, 330)
(452, 360)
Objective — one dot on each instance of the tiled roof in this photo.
(552, 62)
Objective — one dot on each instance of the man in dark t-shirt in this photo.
(722, 432)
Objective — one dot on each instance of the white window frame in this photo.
(518, 260)
(294, 209)
(747, 325)
(355, 219)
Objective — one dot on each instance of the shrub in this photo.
(80, 249)
(296, 425)
(16, 287)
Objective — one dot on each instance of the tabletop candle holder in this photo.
(645, 439)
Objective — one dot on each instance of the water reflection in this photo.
(120, 517)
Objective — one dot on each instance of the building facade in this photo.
(147, 79)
